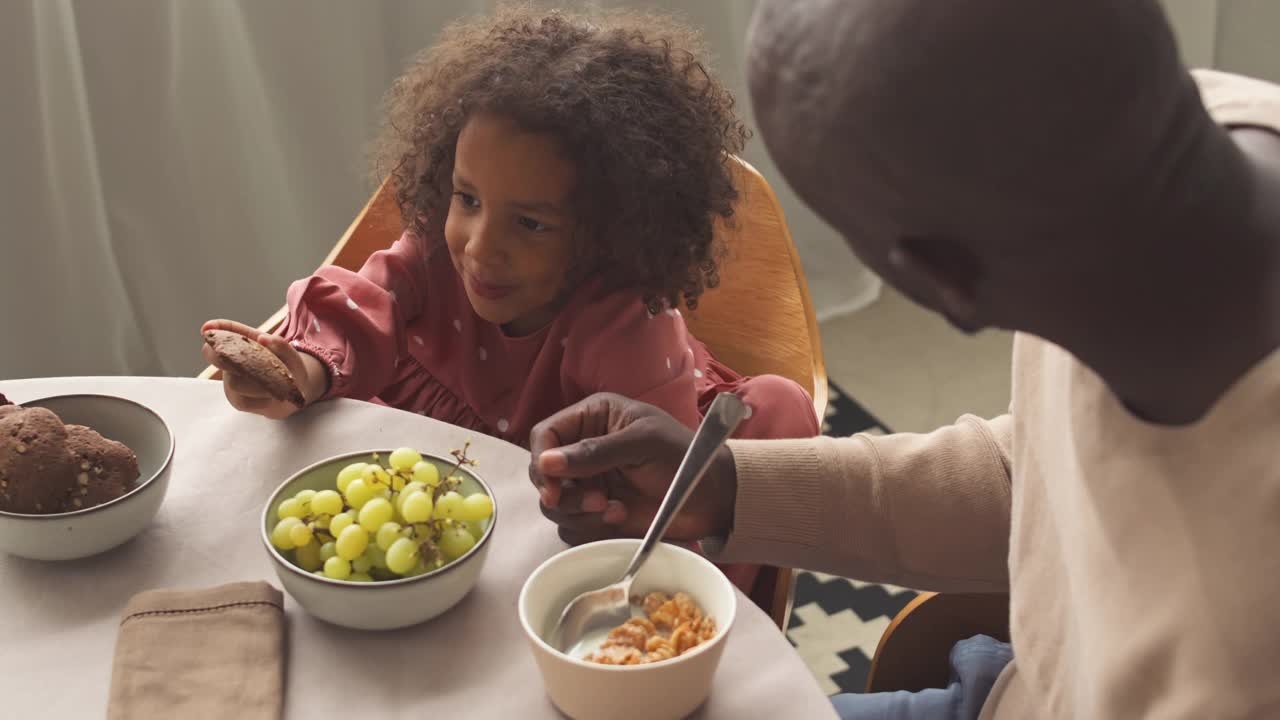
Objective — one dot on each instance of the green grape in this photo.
(455, 542)
(475, 527)
(360, 577)
(387, 534)
(300, 535)
(328, 550)
(340, 522)
(349, 473)
(337, 568)
(358, 493)
(376, 555)
(404, 459)
(476, 506)
(416, 507)
(384, 492)
(362, 564)
(308, 556)
(426, 473)
(402, 556)
(449, 506)
(414, 486)
(304, 497)
(374, 513)
(281, 535)
(375, 476)
(326, 502)
(397, 482)
(290, 508)
(352, 542)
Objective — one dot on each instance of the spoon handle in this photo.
(723, 417)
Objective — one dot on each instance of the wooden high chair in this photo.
(914, 652)
(760, 320)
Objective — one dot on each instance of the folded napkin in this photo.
(200, 653)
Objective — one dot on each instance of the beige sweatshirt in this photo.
(1143, 562)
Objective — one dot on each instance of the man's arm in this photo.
(924, 511)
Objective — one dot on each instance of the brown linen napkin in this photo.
(200, 653)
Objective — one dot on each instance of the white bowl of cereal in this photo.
(79, 474)
(393, 538)
(612, 677)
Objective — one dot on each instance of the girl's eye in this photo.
(467, 200)
(532, 225)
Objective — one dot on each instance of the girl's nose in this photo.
(483, 245)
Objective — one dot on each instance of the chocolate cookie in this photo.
(251, 359)
(105, 469)
(36, 473)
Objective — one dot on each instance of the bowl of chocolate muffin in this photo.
(79, 474)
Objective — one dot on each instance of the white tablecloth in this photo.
(58, 620)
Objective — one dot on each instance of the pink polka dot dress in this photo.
(402, 332)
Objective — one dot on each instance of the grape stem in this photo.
(461, 457)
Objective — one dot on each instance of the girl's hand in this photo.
(247, 394)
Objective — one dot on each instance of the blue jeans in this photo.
(975, 664)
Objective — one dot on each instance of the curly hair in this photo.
(629, 99)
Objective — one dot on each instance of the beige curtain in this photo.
(167, 161)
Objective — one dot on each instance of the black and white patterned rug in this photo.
(836, 623)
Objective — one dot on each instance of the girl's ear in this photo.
(943, 275)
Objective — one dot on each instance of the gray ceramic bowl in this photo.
(386, 604)
(71, 535)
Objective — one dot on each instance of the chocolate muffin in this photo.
(36, 472)
(105, 469)
(256, 362)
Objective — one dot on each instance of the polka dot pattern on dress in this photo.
(484, 354)
(392, 293)
(418, 339)
(457, 324)
(697, 373)
(352, 304)
(503, 425)
(315, 323)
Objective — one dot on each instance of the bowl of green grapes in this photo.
(382, 539)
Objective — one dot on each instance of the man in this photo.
(1051, 168)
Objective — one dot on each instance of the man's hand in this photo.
(603, 465)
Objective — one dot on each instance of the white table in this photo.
(58, 620)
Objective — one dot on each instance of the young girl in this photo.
(559, 181)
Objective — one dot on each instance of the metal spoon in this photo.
(610, 606)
